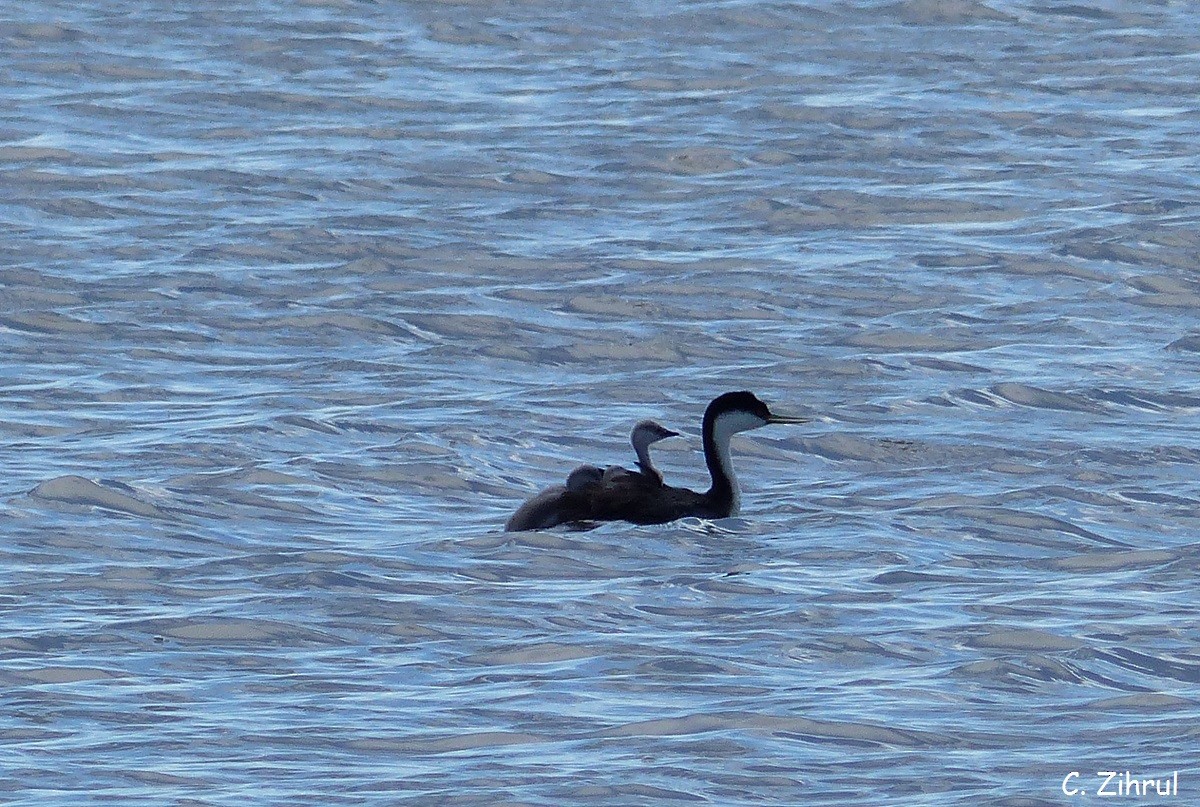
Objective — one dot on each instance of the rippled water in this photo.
(299, 301)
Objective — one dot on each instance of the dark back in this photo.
(551, 507)
(641, 499)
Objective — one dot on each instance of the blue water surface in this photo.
(299, 301)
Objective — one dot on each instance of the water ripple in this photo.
(298, 302)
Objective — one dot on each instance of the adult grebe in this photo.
(564, 503)
(727, 415)
(629, 498)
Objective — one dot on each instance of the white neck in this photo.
(724, 429)
(642, 449)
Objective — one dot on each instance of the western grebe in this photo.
(628, 497)
(570, 502)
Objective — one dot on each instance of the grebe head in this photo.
(742, 411)
(647, 432)
(583, 477)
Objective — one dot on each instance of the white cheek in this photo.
(731, 423)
